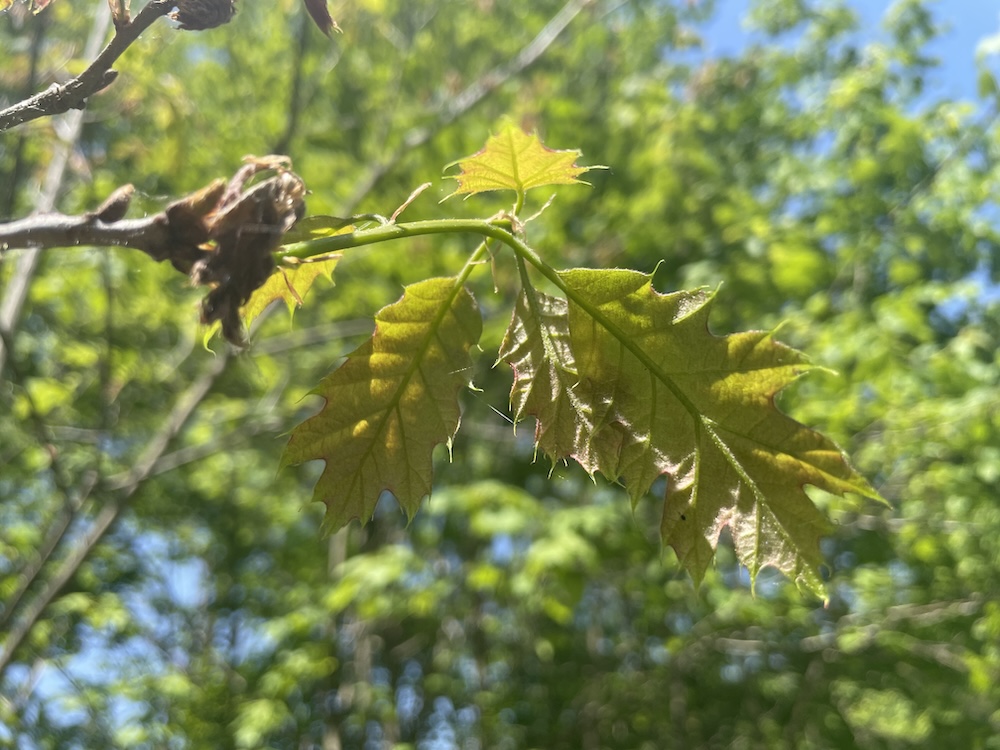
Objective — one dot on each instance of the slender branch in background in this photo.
(74, 495)
(295, 99)
(17, 288)
(12, 182)
(469, 98)
(60, 98)
(109, 513)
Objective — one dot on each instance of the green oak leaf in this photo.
(288, 283)
(390, 403)
(518, 161)
(664, 396)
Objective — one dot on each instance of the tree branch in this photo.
(16, 291)
(151, 235)
(99, 75)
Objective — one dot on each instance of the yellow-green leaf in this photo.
(518, 161)
(390, 403)
(290, 283)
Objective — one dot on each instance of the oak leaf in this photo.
(631, 383)
(391, 403)
(518, 161)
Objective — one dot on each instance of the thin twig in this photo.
(60, 98)
(17, 288)
(8, 199)
(72, 499)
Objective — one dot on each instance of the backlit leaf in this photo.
(390, 403)
(290, 283)
(663, 396)
(515, 160)
(537, 347)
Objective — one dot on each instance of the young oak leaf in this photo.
(515, 160)
(290, 283)
(391, 402)
(537, 348)
(665, 396)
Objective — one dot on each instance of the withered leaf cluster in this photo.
(224, 235)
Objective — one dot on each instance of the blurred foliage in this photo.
(811, 175)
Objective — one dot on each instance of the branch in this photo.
(73, 95)
(16, 291)
(151, 235)
(71, 504)
(222, 235)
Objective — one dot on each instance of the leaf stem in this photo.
(503, 231)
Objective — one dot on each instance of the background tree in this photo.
(812, 177)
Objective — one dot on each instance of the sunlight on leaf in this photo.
(391, 403)
(664, 396)
(515, 160)
(288, 283)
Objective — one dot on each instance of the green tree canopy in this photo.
(172, 589)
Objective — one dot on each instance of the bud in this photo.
(198, 15)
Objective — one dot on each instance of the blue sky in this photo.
(969, 21)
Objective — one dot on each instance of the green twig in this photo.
(499, 230)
